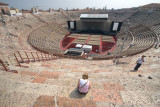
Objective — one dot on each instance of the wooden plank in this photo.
(97, 43)
(96, 36)
(79, 42)
(95, 39)
(82, 37)
(74, 35)
(108, 40)
(106, 37)
(93, 43)
(85, 35)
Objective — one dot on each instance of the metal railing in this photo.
(20, 57)
(4, 66)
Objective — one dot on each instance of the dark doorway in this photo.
(3, 12)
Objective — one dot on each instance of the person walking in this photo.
(139, 62)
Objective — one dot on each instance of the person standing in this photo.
(139, 62)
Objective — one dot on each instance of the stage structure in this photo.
(94, 23)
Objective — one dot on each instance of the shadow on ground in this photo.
(133, 70)
(122, 63)
(75, 94)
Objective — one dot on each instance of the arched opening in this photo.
(3, 12)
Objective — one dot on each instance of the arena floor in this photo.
(101, 44)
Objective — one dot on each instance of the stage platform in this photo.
(101, 44)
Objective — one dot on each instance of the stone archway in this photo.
(3, 11)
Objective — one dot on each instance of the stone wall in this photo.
(5, 9)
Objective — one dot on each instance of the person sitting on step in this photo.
(84, 84)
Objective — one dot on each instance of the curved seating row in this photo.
(146, 18)
(144, 39)
(48, 38)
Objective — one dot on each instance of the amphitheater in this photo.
(39, 75)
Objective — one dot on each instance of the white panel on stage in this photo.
(71, 25)
(91, 16)
(87, 46)
(78, 46)
(115, 26)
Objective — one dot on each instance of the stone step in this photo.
(53, 101)
(14, 99)
(58, 76)
(11, 88)
(31, 78)
(41, 89)
(126, 83)
(73, 67)
(100, 73)
(16, 77)
(17, 99)
(141, 97)
(20, 99)
(105, 104)
(113, 77)
(67, 81)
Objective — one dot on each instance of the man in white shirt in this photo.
(139, 62)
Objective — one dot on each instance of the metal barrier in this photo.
(27, 57)
(20, 57)
(1, 62)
